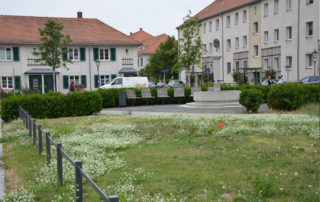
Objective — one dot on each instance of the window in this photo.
(236, 18)
(141, 62)
(289, 61)
(104, 79)
(217, 24)
(255, 28)
(309, 2)
(276, 64)
(229, 44)
(276, 6)
(255, 51)
(204, 27)
(237, 66)
(204, 47)
(309, 62)
(6, 82)
(245, 41)
(266, 37)
(75, 79)
(276, 35)
(289, 33)
(127, 51)
(309, 30)
(210, 47)
(244, 16)
(245, 64)
(255, 10)
(237, 42)
(266, 63)
(228, 67)
(228, 21)
(210, 26)
(266, 9)
(73, 54)
(104, 54)
(289, 5)
(5, 54)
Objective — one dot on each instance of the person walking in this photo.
(269, 81)
(72, 88)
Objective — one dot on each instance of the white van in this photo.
(127, 82)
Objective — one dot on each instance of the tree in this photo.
(165, 59)
(53, 46)
(190, 47)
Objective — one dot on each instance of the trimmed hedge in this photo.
(251, 99)
(52, 105)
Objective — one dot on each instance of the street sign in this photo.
(164, 70)
(207, 70)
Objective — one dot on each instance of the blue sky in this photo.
(154, 16)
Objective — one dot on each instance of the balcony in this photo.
(127, 62)
(33, 63)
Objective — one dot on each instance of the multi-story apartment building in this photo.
(256, 37)
(92, 40)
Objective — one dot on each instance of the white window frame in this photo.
(73, 53)
(276, 65)
(204, 27)
(236, 18)
(245, 63)
(255, 28)
(255, 51)
(210, 47)
(229, 67)
(75, 78)
(289, 61)
(228, 44)
(289, 5)
(266, 63)
(266, 37)
(7, 84)
(104, 79)
(276, 36)
(276, 6)
(217, 24)
(6, 54)
(237, 42)
(141, 62)
(245, 41)
(205, 48)
(228, 21)
(266, 9)
(104, 54)
(210, 26)
(255, 10)
(309, 61)
(308, 24)
(289, 33)
(244, 16)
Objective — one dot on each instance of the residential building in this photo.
(148, 47)
(92, 40)
(277, 36)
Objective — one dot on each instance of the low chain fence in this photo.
(33, 127)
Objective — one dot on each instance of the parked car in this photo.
(265, 82)
(126, 82)
(161, 85)
(310, 80)
(175, 84)
(152, 84)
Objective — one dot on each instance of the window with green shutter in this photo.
(16, 55)
(65, 81)
(17, 82)
(82, 54)
(84, 80)
(95, 54)
(64, 54)
(96, 81)
(113, 54)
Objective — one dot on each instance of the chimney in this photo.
(140, 29)
(79, 14)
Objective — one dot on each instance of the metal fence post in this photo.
(30, 127)
(78, 181)
(34, 130)
(114, 198)
(48, 148)
(59, 163)
(40, 138)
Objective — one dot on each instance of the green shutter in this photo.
(96, 81)
(17, 82)
(82, 54)
(113, 54)
(84, 80)
(95, 54)
(65, 81)
(16, 56)
(64, 54)
(113, 76)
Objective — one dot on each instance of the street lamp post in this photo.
(98, 64)
(315, 57)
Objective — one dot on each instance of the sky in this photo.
(154, 16)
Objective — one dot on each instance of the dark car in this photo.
(265, 82)
(175, 84)
(310, 80)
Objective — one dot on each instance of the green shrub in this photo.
(251, 99)
(288, 96)
(52, 105)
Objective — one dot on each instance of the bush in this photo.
(52, 105)
(288, 96)
(251, 99)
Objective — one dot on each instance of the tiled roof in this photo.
(150, 46)
(24, 29)
(141, 36)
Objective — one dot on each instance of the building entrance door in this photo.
(35, 83)
(48, 83)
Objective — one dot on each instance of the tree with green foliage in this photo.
(190, 45)
(53, 46)
(165, 59)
